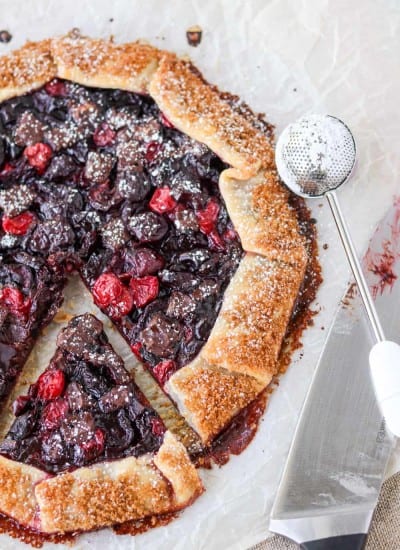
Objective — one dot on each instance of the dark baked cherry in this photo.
(161, 336)
(164, 370)
(104, 135)
(18, 225)
(133, 184)
(53, 448)
(142, 261)
(144, 290)
(162, 201)
(61, 166)
(56, 88)
(38, 156)
(23, 425)
(147, 227)
(20, 404)
(50, 384)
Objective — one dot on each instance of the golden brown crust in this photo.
(249, 330)
(118, 491)
(17, 497)
(26, 69)
(102, 494)
(197, 109)
(172, 461)
(104, 64)
(209, 397)
(261, 215)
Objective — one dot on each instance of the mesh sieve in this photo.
(315, 154)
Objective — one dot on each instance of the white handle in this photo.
(384, 361)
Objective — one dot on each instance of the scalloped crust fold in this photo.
(242, 350)
(100, 495)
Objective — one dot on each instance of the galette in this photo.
(121, 163)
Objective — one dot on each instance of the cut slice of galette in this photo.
(86, 449)
(121, 162)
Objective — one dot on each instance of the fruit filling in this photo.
(101, 182)
(84, 408)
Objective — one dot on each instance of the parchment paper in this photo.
(284, 58)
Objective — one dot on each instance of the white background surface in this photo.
(284, 58)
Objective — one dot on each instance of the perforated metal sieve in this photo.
(315, 154)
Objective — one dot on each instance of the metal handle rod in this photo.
(355, 266)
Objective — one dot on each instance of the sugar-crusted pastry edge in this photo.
(17, 495)
(209, 396)
(255, 199)
(26, 69)
(104, 64)
(100, 495)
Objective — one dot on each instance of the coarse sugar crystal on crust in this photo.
(118, 491)
(26, 69)
(104, 64)
(248, 333)
(262, 216)
(209, 396)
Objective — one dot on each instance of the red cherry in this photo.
(7, 168)
(164, 370)
(136, 347)
(157, 426)
(207, 218)
(18, 225)
(95, 446)
(51, 384)
(38, 156)
(104, 135)
(144, 290)
(152, 151)
(167, 123)
(19, 404)
(122, 306)
(107, 289)
(215, 242)
(162, 201)
(53, 413)
(16, 302)
(229, 235)
(56, 88)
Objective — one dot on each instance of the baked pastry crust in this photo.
(243, 347)
(26, 69)
(100, 495)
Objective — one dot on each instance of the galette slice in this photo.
(86, 450)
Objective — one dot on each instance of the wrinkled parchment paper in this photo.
(285, 58)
